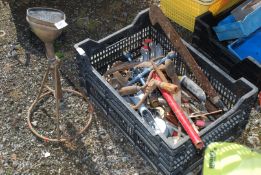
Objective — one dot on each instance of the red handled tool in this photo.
(181, 116)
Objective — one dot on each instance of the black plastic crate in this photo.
(93, 58)
(206, 41)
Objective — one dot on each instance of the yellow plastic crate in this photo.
(183, 12)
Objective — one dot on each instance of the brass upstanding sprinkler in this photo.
(47, 24)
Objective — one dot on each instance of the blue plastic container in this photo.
(229, 28)
(250, 46)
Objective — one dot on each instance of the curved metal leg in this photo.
(57, 92)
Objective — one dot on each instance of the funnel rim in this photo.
(35, 20)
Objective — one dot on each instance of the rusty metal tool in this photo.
(157, 17)
(153, 101)
(152, 85)
(129, 90)
(171, 73)
(208, 106)
(159, 72)
(149, 86)
(143, 110)
(121, 67)
(204, 115)
(118, 79)
(177, 95)
(129, 65)
(171, 55)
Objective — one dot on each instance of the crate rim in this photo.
(253, 88)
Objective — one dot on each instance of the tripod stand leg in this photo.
(58, 97)
(43, 82)
(57, 92)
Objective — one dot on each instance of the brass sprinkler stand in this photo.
(47, 23)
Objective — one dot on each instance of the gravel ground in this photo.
(102, 149)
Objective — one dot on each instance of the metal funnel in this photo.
(47, 24)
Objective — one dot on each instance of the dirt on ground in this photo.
(102, 149)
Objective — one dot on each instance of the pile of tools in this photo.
(164, 100)
(169, 103)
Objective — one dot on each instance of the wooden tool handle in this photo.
(129, 90)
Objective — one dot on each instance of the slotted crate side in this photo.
(144, 147)
(231, 124)
(142, 136)
(121, 120)
(152, 139)
(227, 130)
(236, 126)
(205, 40)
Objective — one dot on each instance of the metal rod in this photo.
(58, 97)
(45, 78)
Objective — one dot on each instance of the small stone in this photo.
(124, 159)
(110, 148)
(12, 47)
(4, 139)
(253, 140)
(13, 157)
(13, 53)
(127, 1)
(19, 110)
(125, 14)
(34, 123)
(23, 60)
(15, 164)
(46, 154)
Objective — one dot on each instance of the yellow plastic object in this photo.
(184, 12)
(222, 5)
(223, 158)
